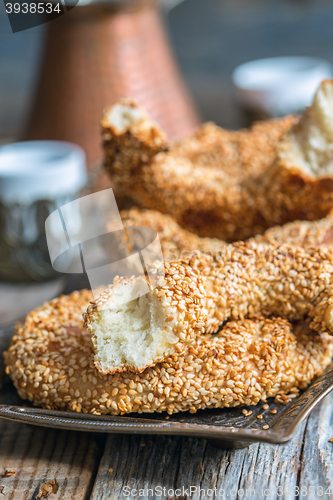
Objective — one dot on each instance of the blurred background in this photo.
(209, 38)
(175, 57)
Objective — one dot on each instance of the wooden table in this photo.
(109, 467)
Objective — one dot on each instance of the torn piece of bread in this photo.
(309, 144)
(299, 183)
(134, 326)
(130, 136)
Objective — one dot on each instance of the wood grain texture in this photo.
(39, 455)
(176, 463)
(258, 472)
(316, 470)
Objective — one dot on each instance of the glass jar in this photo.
(36, 178)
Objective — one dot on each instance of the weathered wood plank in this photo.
(167, 464)
(271, 471)
(135, 461)
(316, 470)
(39, 455)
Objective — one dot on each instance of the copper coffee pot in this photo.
(97, 53)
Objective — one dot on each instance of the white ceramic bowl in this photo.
(280, 85)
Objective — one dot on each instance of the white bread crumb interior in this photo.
(129, 331)
(121, 116)
(309, 144)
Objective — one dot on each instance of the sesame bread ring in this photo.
(226, 184)
(177, 242)
(132, 331)
(51, 362)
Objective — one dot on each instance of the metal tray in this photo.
(227, 428)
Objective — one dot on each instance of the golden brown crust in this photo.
(289, 194)
(251, 278)
(177, 242)
(206, 181)
(50, 361)
(234, 185)
(301, 233)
